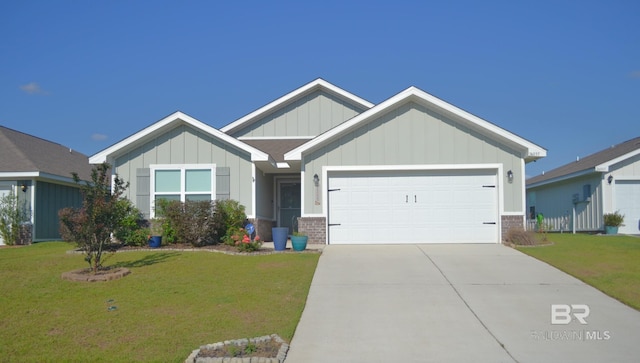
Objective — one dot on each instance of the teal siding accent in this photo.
(50, 198)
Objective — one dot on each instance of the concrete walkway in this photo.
(454, 303)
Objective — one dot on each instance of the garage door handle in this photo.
(406, 198)
(488, 222)
(334, 224)
(415, 199)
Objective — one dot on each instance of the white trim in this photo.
(302, 174)
(182, 168)
(39, 176)
(604, 167)
(253, 192)
(307, 88)
(20, 174)
(104, 155)
(269, 138)
(561, 178)
(424, 167)
(283, 165)
(533, 151)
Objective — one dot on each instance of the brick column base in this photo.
(314, 227)
(511, 222)
(26, 234)
(263, 228)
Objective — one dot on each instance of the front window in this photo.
(182, 182)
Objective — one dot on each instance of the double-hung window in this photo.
(188, 182)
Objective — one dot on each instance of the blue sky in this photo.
(562, 74)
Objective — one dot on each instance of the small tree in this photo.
(91, 225)
(10, 218)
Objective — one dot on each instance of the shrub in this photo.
(614, 219)
(130, 224)
(229, 213)
(239, 238)
(10, 218)
(192, 221)
(520, 237)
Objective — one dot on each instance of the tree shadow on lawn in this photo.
(147, 260)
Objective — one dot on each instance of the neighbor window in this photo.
(182, 182)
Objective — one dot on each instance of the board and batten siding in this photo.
(49, 199)
(628, 169)
(414, 135)
(186, 145)
(555, 202)
(310, 115)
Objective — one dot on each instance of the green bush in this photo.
(10, 218)
(192, 221)
(228, 214)
(614, 219)
(239, 237)
(130, 224)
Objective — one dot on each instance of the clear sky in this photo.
(86, 74)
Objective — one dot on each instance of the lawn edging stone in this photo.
(282, 352)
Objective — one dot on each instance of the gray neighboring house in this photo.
(576, 196)
(39, 172)
(412, 169)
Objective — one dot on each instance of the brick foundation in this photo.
(314, 227)
(509, 222)
(263, 228)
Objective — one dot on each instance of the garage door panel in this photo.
(628, 203)
(418, 207)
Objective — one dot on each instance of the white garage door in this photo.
(413, 207)
(628, 203)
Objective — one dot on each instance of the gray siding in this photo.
(310, 115)
(265, 197)
(415, 135)
(555, 202)
(185, 145)
(49, 199)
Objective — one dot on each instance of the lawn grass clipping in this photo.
(172, 303)
(608, 263)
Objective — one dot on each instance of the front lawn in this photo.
(608, 263)
(170, 304)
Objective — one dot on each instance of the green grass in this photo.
(608, 263)
(170, 304)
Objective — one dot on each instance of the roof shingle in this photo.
(21, 152)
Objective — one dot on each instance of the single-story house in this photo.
(39, 173)
(575, 196)
(411, 169)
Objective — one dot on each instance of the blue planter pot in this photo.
(610, 230)
(279, 235)
(155, 241)
(299, 243)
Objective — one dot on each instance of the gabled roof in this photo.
(276, 148)
(24, 155)
(530, 150)
(318, 84)
(598, 162)
(165, 124)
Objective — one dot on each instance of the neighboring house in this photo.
(586, 189)
(412, 169)
(39, 172)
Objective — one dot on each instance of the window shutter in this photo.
(143, 191)
(223, 183)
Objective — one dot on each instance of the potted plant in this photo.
(612, 221)
(299, 241)
(155, 239)
(279, 235)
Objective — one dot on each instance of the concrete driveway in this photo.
(455, 303)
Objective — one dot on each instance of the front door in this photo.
(288, 204)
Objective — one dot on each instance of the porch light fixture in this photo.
(610, 179)
(24, 187)
(510, 176)
(316, 180)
